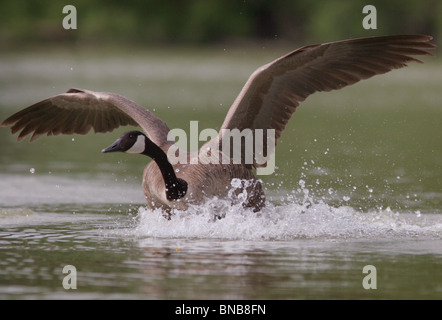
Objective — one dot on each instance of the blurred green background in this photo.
(377, 141)
(160, 22)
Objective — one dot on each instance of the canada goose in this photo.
(267, 101)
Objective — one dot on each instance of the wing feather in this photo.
(78, 111)
(274, 91)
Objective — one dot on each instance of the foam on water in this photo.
(285, 222)
(296, 218)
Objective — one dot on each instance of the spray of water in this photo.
(297, 218)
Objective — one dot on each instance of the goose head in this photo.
(138, 142)
(130, 142)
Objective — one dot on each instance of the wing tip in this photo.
(20, 137)
(8, 121)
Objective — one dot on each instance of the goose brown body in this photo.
(267, 101)
(204, 182)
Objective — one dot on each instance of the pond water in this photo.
(358, 183)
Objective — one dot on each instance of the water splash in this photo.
(298, 215)
(304, 219)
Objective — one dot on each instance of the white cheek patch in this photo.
(138, 146)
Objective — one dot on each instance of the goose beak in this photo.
(114, 147)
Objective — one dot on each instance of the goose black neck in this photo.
(175, 187)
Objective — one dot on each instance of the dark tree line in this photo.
(211, 21)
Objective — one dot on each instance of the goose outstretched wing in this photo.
(79, 111)
(274, 91)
